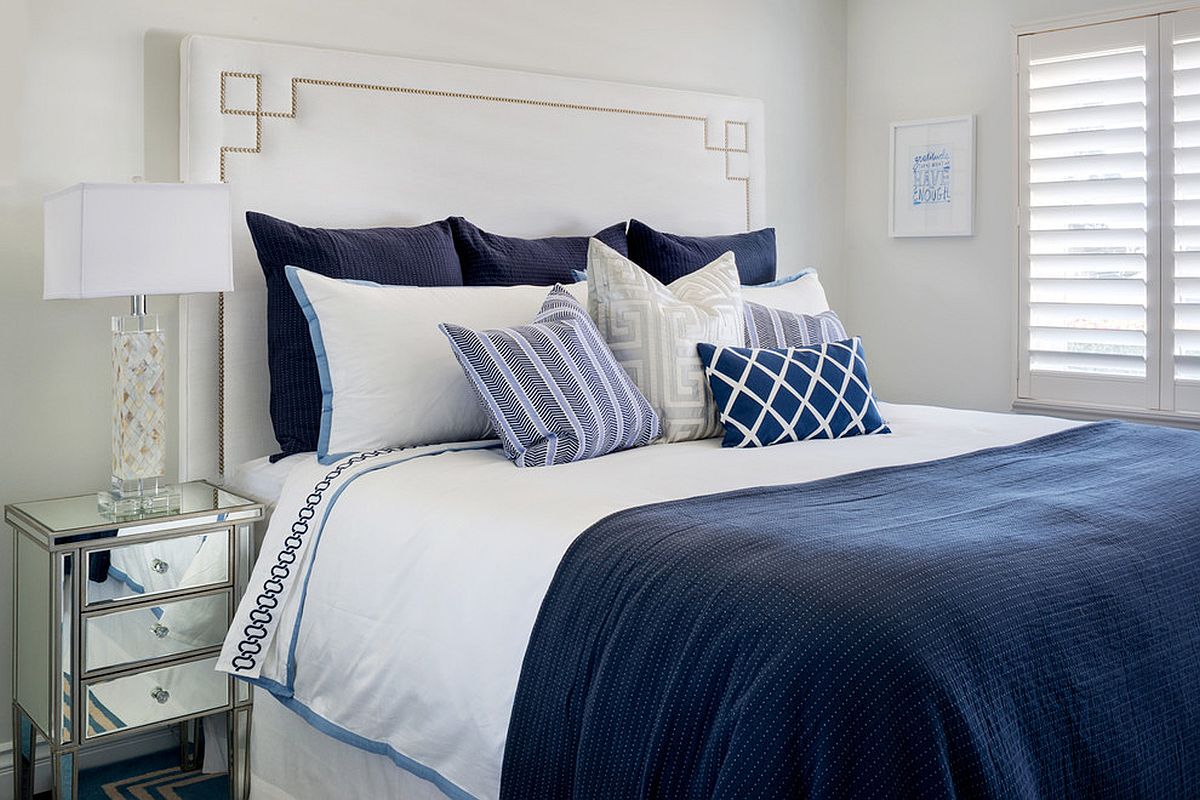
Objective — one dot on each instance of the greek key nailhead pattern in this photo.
(250, 646)
(729, 145)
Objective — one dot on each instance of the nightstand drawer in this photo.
(151, 632)
(154, 696)
(158, 566)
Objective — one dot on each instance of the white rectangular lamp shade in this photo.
(105, 240)
(109, 240)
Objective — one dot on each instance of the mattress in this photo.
(432, 599)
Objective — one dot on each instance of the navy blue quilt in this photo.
(1022, 622)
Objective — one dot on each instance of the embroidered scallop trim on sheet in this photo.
(263, 613)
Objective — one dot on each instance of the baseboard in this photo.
(94, 755)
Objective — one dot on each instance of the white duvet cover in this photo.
(394, 595)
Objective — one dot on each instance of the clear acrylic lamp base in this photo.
(139, 425)
(152, 496)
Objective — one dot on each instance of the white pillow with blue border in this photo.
(387, 377)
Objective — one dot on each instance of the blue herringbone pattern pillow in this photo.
(769, 396)
(552, 389)
(773, 327)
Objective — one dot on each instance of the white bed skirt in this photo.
(291, 760)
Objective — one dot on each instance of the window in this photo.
(1109, 242)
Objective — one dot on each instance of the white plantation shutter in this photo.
(1181, 110)
(1090, 239)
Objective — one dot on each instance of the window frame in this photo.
(1156, 398)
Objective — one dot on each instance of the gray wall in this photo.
(938, 316)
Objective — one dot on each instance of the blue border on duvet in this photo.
(285, 698)
(316, 544)
(285, 693)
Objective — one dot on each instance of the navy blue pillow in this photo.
(492, 260)
(420, 256)
(766, 396)
(669, 257)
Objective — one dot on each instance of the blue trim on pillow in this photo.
(420, 256)
(360, 282)
(580, 275)
(314, 331)
(787, 280)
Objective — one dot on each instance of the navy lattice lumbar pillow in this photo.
(552, 389)
(769, 396)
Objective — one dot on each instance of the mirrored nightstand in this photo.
(117, 625)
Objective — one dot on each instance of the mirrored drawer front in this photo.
(155, 567)
(146, 633)
(154, 696)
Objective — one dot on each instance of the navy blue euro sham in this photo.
(489, 259)
(419, 256)
(1021, 622)
(668, 256)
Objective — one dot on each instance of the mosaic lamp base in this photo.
(139, 425)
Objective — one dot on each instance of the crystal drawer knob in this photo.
(161, 695)
(159, 566)
(160, 630)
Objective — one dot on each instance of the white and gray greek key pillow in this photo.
(653, 331)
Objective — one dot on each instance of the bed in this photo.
(404, 643)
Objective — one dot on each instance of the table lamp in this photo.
(137, 239)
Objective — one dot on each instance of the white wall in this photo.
(89, 91)
(938, 316)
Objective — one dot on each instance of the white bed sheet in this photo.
(429, 600)
(263, 481)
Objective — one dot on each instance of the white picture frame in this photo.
(932, 181)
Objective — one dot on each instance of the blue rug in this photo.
(152, 777)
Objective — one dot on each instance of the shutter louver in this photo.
(1087, 212)
(1185, 128)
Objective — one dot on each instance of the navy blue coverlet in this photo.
(1022, 622)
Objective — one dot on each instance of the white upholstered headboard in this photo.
(331, 138)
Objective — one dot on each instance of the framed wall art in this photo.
(933, 177)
